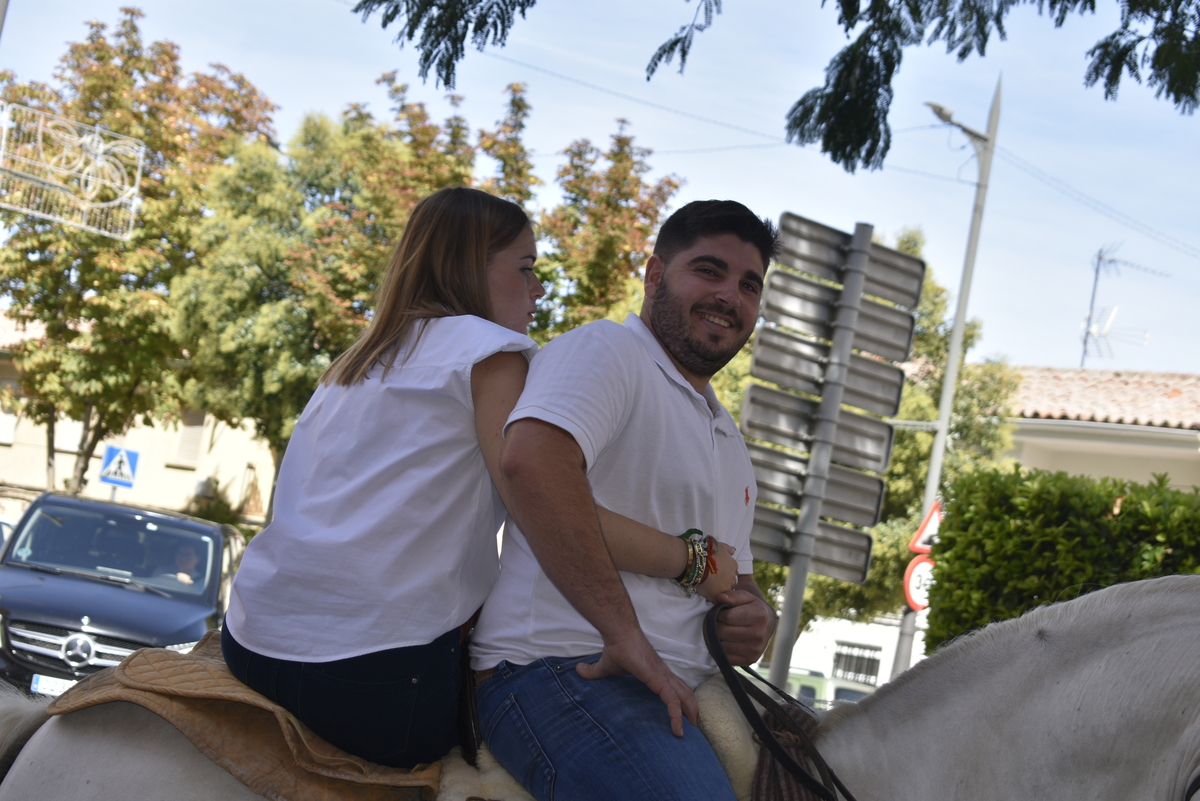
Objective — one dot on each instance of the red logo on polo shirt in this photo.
(747, 496)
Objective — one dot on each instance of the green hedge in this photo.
(1014, 539)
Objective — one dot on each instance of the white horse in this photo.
(1096, 698)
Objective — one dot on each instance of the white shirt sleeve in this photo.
(583, 382)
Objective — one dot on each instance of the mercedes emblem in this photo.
(78, 650)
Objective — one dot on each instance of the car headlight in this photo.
(183, 647)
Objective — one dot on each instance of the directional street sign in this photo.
(804, 305)
(797, 363)
(850, 496)
(119, 467)
(785, 419)
(819, 250)
(843, 300)
(841, 553)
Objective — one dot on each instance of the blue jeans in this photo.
(565, 737)
(397, 707)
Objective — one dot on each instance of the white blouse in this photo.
(385, 516)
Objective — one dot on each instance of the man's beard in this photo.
(670, 321)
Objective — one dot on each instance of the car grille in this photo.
(43, 646)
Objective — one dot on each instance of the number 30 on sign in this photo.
(918, 578)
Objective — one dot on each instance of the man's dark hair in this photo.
(713, 218)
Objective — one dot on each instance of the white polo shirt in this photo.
(385, 522)
(657, 451)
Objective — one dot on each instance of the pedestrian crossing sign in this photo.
(119, 467)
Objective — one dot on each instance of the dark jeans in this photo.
(397, 707)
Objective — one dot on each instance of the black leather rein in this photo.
(742, 688)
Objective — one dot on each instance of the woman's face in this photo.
(512, 285)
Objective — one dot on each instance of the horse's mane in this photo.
(1063, 625)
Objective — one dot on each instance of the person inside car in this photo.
(187, 564)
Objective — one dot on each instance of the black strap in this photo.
(739, 685)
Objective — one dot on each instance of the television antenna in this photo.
(1098, 332)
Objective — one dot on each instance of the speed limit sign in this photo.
(918, 578)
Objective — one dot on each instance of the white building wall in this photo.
(815, 648)
(1132, 452)
(174, 462)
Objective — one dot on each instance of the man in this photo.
(623, 416)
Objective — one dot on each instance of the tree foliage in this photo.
(1015, 538)
(107, 354)
(600, 235)
(515, 180)
(443, 27)
(1157, 39)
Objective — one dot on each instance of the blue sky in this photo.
(1137, 156)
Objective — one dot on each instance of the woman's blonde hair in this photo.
(438, 269)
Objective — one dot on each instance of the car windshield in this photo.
(117, 545)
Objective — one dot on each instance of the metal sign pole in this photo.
(821, 454)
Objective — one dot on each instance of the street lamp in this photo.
(985, 146)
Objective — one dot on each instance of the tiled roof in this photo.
(1109, 396)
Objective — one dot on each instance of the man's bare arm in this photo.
(551, 501)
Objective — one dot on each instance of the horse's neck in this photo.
(1011, 706)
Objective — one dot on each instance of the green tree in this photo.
(254, 352)
(601, 235)
(848, 114)
(515, 180)
(107, 354)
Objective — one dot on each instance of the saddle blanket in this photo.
(262, 744)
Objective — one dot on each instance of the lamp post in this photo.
(985, 147)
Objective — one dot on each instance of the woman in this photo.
(346, 609)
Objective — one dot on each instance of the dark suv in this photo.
(84, 583)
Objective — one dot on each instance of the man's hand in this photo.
(745, 629)
(634, 655)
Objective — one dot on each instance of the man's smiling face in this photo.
(703, 304)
